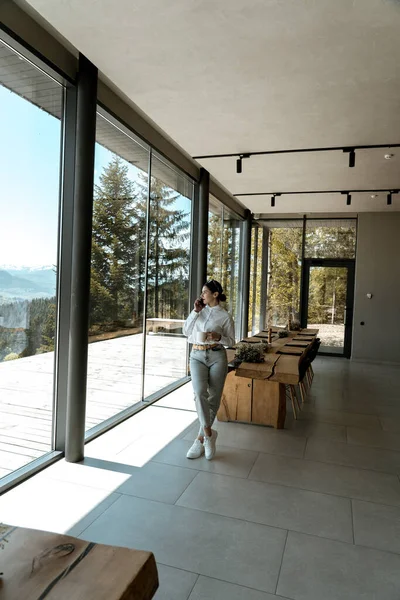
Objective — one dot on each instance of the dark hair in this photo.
(215, 286)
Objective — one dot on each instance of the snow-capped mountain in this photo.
(26, 283)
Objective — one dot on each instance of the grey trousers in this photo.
(208, 369)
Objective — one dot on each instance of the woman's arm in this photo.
(190, 323)
(228, 332)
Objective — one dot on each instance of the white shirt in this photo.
(214, 318)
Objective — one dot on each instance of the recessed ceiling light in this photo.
(374, 195)
(389, 156)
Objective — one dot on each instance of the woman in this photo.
(208, 327)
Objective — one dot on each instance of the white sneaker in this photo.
(196, 450)
(209, 444)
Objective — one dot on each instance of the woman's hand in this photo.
(213, 336)
(198, 305)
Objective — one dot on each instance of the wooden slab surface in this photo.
(286, 370)
(290, 350)
(262, 370)
(37, 565)
(277, 367)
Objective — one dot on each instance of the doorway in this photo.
(328, 298)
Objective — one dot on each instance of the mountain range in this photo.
(26, 283)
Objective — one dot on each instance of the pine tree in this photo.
(116, 246)
(169, 254)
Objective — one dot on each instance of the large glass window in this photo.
(140, 272)
(223, 261)
(330, 238)
(256, 261)
(30, 142)
(230, 278)
(117, 286)
(215, 240)
(169, 233)
(284, 271)
(324, 239)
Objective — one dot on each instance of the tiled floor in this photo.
(308, 513)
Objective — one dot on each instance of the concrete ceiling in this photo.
(253, 75)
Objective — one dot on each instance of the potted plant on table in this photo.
(251, 352)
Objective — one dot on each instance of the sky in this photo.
(30, 141)
(30, 156)
(29, 182)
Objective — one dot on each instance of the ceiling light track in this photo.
(389, 190)
(350, 149)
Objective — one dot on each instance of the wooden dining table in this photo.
(38, 565)
(256, 392)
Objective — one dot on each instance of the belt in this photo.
(204, 346)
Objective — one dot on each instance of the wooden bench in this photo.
(37, 565)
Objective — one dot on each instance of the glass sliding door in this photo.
(118, 270)
(329, 292)
(168, 263)
(30, 156)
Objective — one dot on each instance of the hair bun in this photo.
(222, 297)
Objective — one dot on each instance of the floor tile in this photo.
(363, 457)
(175, 584)
(307, 429)
(314, 568)
(258, 439)
(156, 481)
(194, 541)
(212, 589)
(227, 461)
(377, 526)
(63, 508)
(328, 479)
(373, 438)
(391, 423)
(269, 504)
(342, 418)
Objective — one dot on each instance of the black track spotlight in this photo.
(352, 156)
(239, 164)
(389, 198)
(348, 199)
(273, 202)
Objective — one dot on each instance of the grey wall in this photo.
(378, 273)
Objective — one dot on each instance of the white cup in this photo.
(201, 337)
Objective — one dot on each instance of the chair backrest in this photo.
(308, 358)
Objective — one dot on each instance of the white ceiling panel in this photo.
(252, 75)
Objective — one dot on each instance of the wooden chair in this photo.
(306, 375)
